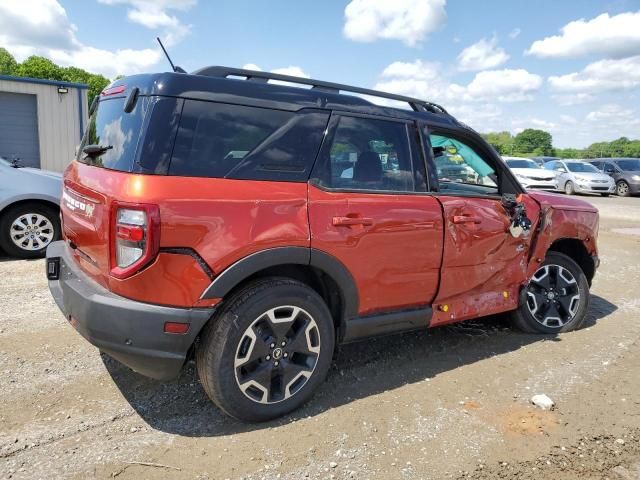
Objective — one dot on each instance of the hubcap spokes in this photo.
(553, 296)
(277, 354)
(622, 188)
(31, 231)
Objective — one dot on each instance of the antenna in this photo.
(173, 67)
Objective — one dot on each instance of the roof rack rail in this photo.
(260, 76)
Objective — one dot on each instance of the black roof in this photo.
(224, 84)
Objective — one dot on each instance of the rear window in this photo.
(236, 141)
(117, 131)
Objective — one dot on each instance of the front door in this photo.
(369, 208)
(483, 263)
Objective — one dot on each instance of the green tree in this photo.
(8, 64)
(632, 149)
(533, 141)
(96, 83)
(501, 141)
(39, 67)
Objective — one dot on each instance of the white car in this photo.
(532, 175)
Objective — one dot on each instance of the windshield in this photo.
(581, 167)
(522, 164)
(629, 165)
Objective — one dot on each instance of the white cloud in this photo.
(482, 55)
(292, 70)
(33, 24)
(407, 20)
(251, 66)
(515, 33)
(153, 15)
(571, 99)
(30, 27)
(425, 80)
(611, 113)
(568, 119)
(615, 37)
(603, 75)
(504, 85)
(416, 70)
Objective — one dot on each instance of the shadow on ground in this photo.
(359, 370)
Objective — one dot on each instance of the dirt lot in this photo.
(448, 403)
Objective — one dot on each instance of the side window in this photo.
(460, 168)
(598, 165)
(609, 167)
(235, 141)
(369, 154)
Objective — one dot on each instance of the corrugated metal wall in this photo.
(58, 120)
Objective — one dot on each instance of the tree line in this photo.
(535, 143)
(41, 67)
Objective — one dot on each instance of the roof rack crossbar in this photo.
(260, 76)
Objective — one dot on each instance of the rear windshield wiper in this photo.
(96, 150)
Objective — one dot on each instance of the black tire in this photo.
(622, 189)
(569, 188)
(533, 298)
(225, 337)
(13, 213)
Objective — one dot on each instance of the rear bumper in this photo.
(129, 331)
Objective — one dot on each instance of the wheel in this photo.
(569, 189)
(28, 228)
(555, 300)
(605, 194)
(622, 189)
(267, 349)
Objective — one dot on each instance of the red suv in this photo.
(254, 226)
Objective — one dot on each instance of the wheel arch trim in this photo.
(247, 266)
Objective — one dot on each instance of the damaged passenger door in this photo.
(487, 229)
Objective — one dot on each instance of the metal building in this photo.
(41, 121)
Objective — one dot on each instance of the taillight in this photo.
(135, 237)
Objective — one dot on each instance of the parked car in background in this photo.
(532, 175)
(542, 160)
(29, 209)
(624, 171)
(577, 176)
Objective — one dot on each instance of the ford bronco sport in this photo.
(254, 226)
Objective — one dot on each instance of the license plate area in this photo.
(53, 268)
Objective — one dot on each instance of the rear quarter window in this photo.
(253, 143)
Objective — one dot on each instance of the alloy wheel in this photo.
(31, 231)
(277, 354)
(623, 189)
(553, 296)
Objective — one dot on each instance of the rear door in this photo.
(483, 263)
(369, 208)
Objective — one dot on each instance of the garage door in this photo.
(19, 128)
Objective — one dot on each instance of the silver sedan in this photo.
(29, 209)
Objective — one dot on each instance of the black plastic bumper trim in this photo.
(131, 332)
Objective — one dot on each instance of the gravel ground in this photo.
(449, 403)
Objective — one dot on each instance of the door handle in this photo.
(349, 221)
(458, 219)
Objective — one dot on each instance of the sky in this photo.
(571, 67)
